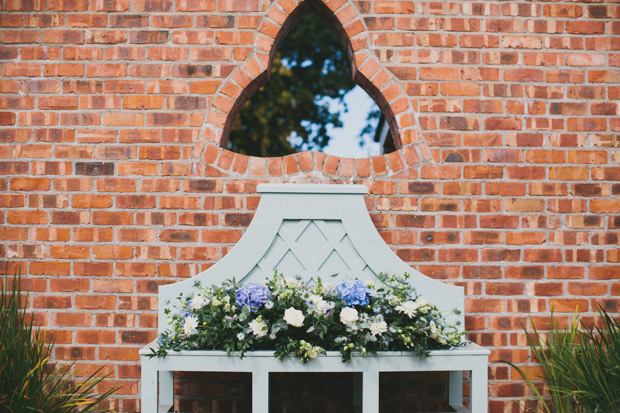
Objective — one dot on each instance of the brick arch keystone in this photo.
(368, 72)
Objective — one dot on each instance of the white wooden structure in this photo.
(314, 230)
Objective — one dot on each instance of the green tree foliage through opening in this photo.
(310, 75)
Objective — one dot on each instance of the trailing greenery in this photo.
(581, 365)
(29, 382)
(295, 319)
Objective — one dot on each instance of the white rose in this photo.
(348, 315)
(190, 325)
(294, 317)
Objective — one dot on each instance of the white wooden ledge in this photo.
(471, 358)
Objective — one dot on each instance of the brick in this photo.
(460, 89)
(148, 37)
(112, 218)
(93, 269)
(69, 252)
(503, 123)
(95, 337)
(153, 5)
(95, 302)
(583, 27)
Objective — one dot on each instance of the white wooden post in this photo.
(479, 386)
(370, 394)
(166, 389)
(260, 390)
(148, 385)
(455, 388)
(358, 391)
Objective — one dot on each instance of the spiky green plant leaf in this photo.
(29, 382)
(580, 364)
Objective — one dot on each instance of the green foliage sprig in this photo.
(580, 364)
(294, 319)
(29, 382)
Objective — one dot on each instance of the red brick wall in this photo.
(113, 180)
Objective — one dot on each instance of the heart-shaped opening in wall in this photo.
(310, 102)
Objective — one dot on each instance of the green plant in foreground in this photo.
(581, 365)
(28, 381)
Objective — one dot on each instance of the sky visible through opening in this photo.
(345, 141)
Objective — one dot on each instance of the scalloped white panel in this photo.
(313, 230)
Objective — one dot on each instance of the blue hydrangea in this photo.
(253, 295)
(353, 292)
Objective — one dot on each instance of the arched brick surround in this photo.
(368, 72)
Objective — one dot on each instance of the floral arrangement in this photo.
(296, 319)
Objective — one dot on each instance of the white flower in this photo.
(269, 305)
(408, 307)
(198, 302)
(190, 325)
(392, 299)
(378, 327)
(320, 305)
(348, 315)
(290, 281)
(294, 317)
(240, 336)
(436, 333)
(314, 298)
(258, 328)
(423, 305)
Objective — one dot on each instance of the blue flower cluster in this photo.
(353, 292)
(253, 295)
